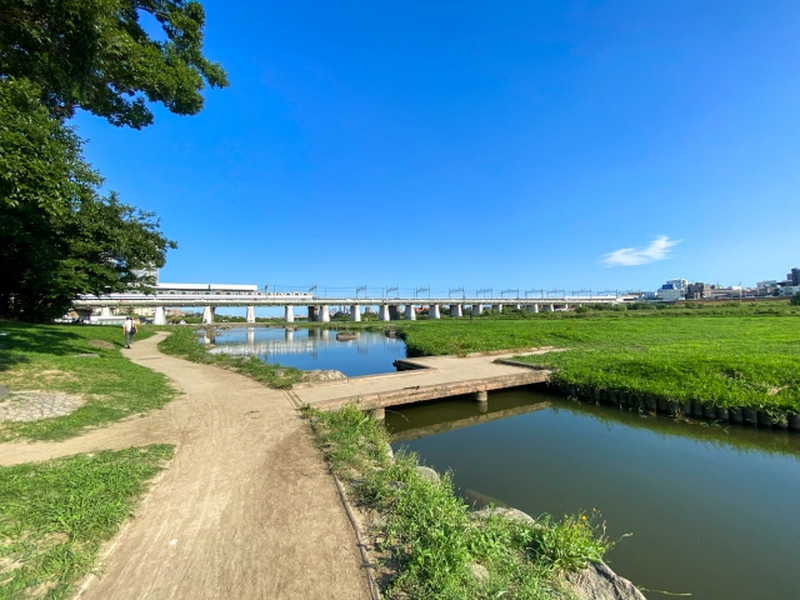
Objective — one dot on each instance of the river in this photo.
(367, 353)
(711, 511)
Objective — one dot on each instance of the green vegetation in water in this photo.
(183, 342)
(728, 360)
(430, 539)
(57, 514)
(81, 360)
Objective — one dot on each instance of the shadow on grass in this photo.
(18, 338)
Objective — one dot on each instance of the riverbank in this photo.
(738, 367)
(428, 544)
(696, 498)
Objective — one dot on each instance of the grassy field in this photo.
(735, 358)
(86, 361)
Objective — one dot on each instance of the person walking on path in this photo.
(129, 329)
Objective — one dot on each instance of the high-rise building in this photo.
(793, 277)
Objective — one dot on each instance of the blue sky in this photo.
(505, 145)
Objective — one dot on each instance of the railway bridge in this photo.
(209, 297)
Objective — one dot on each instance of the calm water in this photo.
(314, 348)
(713, 512)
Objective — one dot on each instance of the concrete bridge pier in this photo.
(355, 312)
(497, 308)
(534, 308)
(411, 314)
(324, 314)
(456, 310)
(379, 414)
(313, 314)
(288, 314)
(208, 315)
(434, 312)
(477, 309)
(394, 312)
(106, 312)
(251, 314)
(481, 398)
(384, 313)
(552, 308)
(159, 317)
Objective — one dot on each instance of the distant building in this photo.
(788, 290)
(673, 290)
(732, 292)
(698, 290)
(781, 288)
(793, 277)
(767, 288)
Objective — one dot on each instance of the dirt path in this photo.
(246, 510)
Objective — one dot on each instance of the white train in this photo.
(227, 289)
(189, 291)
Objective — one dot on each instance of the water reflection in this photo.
(712, 510)
(310, 348)
(458, 413)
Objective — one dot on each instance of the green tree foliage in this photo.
(795, 299)
(58, 236)
(96, 55)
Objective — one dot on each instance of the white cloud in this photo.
(628, 257)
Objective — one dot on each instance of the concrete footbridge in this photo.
(422, 379)
(209, 297)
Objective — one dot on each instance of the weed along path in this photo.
(246, 509)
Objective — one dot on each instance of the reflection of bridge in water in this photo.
(444, 424)
(317, 340)
(267, 347)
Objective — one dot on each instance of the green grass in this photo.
(431, 539)
(53, 358)
(728, 360)
(183, 342)
(57, 514)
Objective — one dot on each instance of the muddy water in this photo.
(713, 512)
